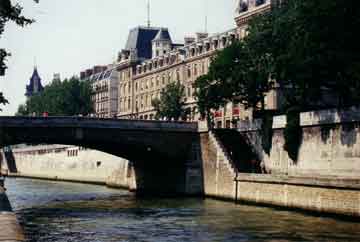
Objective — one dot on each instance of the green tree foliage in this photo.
(2, 100)
(171, 103)
(67, 98)
(236, 74)
(315, 51)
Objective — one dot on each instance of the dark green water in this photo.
(66, 212)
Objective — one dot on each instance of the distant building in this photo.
(57, 77)
(35, 85)
(84, 75)
(105, 92)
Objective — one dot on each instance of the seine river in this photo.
(67, 212)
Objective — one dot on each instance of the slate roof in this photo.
(163, 34)
(140, 38)
(35, 80)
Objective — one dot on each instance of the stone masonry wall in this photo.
(70, 163)
(325, 178)
(294, 194)
(217, 173)
(330, 146)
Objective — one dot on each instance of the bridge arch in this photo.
(158, 150)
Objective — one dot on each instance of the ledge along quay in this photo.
(10, 228)
(202, 139)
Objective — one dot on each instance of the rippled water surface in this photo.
(66, 212)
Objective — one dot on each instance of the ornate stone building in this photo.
(151, 60)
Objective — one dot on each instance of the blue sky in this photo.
(72, 35)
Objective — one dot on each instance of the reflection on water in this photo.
(66, 212)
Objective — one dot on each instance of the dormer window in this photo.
(207, 46)
(216, 43)
(200, 49)
(224, 41)
(243, 6)
(259, 2)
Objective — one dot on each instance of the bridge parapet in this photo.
(83, 122)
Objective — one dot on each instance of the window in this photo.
(259, 2)
(207, 46)
(243, 6)
(224, 41)
(216, 43)
(157, 81)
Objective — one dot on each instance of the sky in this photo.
(72, 35)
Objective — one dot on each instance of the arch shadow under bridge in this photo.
(158, 150)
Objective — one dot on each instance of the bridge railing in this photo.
(85, 122)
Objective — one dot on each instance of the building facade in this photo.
(105, 92)
(151, 60)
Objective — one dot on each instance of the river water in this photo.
(67, 212)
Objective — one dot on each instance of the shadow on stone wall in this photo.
(348, 134)
(240, 150)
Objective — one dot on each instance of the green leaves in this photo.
(3, 101)
(171, 103)
(67, 98)
(237, 73)
(316, 52)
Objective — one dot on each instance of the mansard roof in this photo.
(140, 39)
(162, 35)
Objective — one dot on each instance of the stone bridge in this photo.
(158, 150)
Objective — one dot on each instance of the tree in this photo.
(9, 12)
(236, 74)
(2, 100)
(315, 51)
(67, 98)
(171, 103)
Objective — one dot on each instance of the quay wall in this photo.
(325, 178)
(10, 228)
(69, 163)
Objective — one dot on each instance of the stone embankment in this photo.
(10, 230)
(68, 163)
(325, 177)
